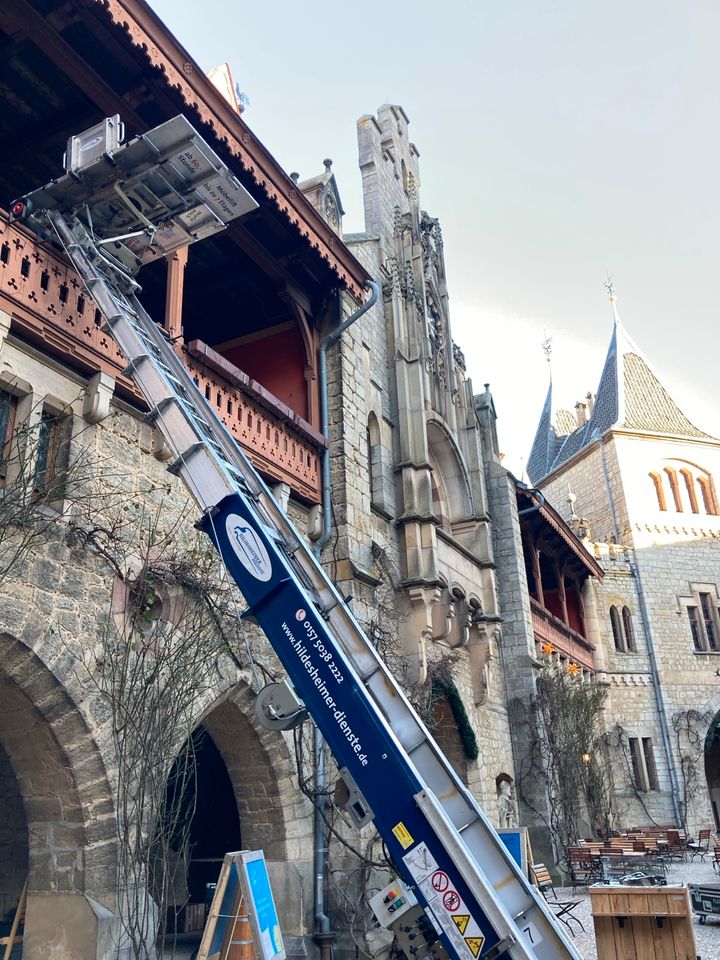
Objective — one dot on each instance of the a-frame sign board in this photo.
(243, 922)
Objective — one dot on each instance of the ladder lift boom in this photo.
(118, 206)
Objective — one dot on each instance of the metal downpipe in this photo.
(654, 675)
(323, 935)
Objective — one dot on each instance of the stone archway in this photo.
(52, 768)
(712, 767)
(275, 817)
(244, 780)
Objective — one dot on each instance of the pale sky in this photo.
(559, 141)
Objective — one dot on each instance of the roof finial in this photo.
(609, 285)
(547, 346)
(547, 350)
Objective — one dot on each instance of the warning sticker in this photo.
(401, 832)
(419, 861)
(440, 881)
(461, 921)
(448, 907)
(451, 901)
(475, 944)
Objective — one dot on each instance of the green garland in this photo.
(446, 688)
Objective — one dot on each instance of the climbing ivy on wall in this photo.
(444, 688)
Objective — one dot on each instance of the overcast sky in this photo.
(559, 141)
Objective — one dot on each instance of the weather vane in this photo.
(547, 346)
(609, 285)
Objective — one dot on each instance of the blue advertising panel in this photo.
(261, 907)
(243, 893)
(516, 840)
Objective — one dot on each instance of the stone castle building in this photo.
(376, 446)
(100, 569)
(636, 479)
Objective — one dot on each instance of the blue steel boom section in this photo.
(473, 893)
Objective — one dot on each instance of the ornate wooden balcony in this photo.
(49, 308)
(548, 629)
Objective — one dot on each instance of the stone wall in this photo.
(58, 762)
(668, 558)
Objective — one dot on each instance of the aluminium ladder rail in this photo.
(437, 835)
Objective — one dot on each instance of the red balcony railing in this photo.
(49, 308)
(548, 629)
(278, 441)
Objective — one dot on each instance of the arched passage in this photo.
(256, 761)
(60, 776)
(232, 800)
(54, 791)
(712, 767)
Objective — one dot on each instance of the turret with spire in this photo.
(630, 396)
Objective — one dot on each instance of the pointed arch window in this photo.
(675, 488)
(623, 631)
(703, 613)
(659, 492)
(628, 630)
(617, 630)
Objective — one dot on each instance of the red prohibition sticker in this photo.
(451, 900)
(440, 881)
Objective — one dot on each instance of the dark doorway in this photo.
(13, 845)
(206, 826)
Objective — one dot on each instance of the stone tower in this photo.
(642, 477)
(408, 471)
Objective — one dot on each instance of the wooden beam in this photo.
(39, 32)
(176, 263)
(269, 264)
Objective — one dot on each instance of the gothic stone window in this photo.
(622, 629)
(642, 757)
(8, 409)
(42, 448)
(703, 616)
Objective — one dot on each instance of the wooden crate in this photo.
(642, 923)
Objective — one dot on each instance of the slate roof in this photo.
(629, 396)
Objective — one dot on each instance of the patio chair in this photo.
(701, 846)
(584, 867)
(563, 909)
(716, 859)
(676, 846)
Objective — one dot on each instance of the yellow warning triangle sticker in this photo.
(461, 921)
(475, 944)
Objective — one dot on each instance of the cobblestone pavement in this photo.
(707, 936)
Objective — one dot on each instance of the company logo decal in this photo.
(249, 548)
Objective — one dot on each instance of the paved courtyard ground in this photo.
(707, 936)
